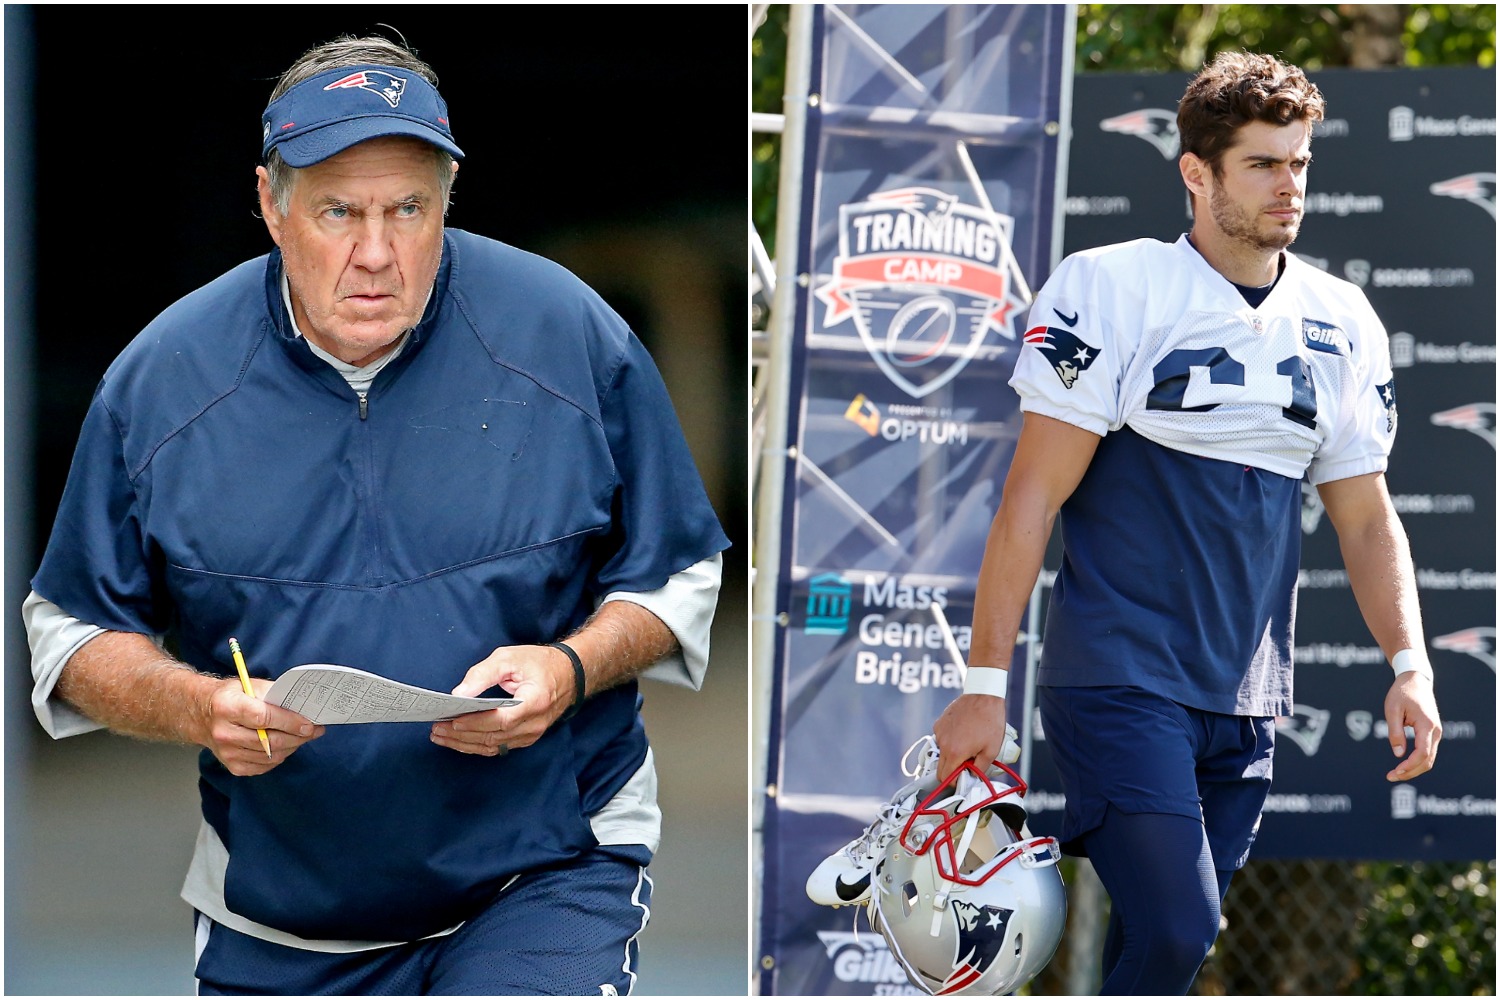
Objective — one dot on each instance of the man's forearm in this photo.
(1012, 559)
(618, 642)
(1050, 460)
(123, 681)
(1377, 557)
(1378, 560)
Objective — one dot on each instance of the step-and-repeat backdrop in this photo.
(934, 148)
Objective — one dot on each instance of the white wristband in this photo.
(986, 680)
(1410, 659)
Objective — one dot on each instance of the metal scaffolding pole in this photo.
(773, 403)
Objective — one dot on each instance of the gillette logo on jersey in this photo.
(1069, 356)
(924, 278)
(1325, 337)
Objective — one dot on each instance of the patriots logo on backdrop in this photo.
(1477, 418)
(1070, 357)
(1156, 126)
(388, 87)
(1476, 188)
(1388, 400)
(1476, 642)
(981, 932)
(1312, 508)
(1304, 727)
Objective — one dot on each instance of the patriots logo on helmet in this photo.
(1388, 400)
(1070, 356)
(1156, 126)
(1477, 188)
(981, 932)
(1478, 418)
(388, 87)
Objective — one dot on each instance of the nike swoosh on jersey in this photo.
(1065, 319)
(849, 891)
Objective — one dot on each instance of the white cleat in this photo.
(843, 878)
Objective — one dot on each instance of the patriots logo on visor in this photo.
(388, 87)
(981, 932)
(1070, 356)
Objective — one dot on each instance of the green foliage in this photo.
(1181, 37)
(1440, 34)
(768, 74)
(1430, 929)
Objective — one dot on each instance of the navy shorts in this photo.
(566, 931)
(1144, 753)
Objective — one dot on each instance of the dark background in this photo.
(610, 139)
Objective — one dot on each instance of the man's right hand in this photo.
(972, 727)
(123, 681)
(233, 718)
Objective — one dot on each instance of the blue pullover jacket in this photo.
(517, 461)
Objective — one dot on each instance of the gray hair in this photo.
(349, 51)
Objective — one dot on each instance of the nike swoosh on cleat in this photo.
(1065, 319)
(849, 891)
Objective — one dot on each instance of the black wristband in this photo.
(577, 680)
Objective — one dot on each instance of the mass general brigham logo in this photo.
(923, 277)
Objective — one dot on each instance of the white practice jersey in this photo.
(1181, 543)
(1147, 335)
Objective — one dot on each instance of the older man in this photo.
(418, 452)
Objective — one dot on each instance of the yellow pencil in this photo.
(239, 664)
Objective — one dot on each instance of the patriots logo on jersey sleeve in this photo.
(1070, 357)
(388, 87)
(1388, 400)
(981, 932)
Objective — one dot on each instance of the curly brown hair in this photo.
(1238, 88)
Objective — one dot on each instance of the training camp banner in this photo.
(934, 146)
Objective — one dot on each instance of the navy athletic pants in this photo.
(568, 931)
(1165, 800)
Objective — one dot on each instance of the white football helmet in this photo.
(969, 902)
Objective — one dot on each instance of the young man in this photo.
(1175, 395)
(416, 451)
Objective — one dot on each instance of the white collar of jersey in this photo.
(1229, 288)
